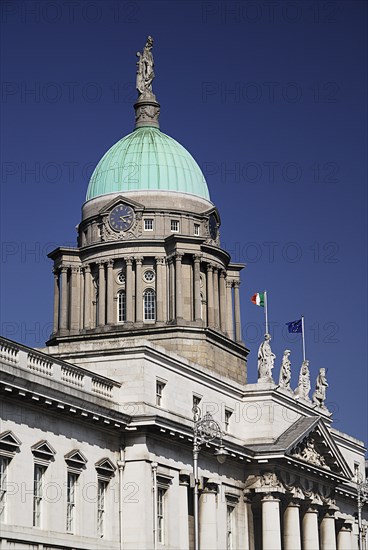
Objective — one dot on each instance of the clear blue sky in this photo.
(270, 100)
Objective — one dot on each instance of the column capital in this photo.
(86, 268)
(160, 260)
(269, 497)
(236, 284)
(138, 259)
(215, 268)
(129, 260)
(222, 273)
(229, 283)
(101, 263)
(110, 262)
(179, 256)
(211, 487)
(197, 258)
(209, 267)
(64, 268)
(74, 268)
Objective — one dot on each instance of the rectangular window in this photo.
(175, 226)
(3, 485)
(71, 501)
(37, 494)
(148, 224)
(196, 229)
(161, 515)
(227, 419)
(229, 527)
(121, 306)
(101, 494)
(159, 391)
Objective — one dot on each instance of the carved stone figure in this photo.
(307, 451)
(319, 395)
(285, 371)
(303, 389)
(145, 73)
(265, 360)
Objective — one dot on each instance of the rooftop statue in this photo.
(304, 386)
(319, 395)
(285, 371)
(265, 360)
(145, 73)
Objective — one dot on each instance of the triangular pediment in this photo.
(106, 467)
(316, 447)
(121, 200)
(9, 441)
(76, 459)
(43, 449)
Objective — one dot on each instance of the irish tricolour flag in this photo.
(258, 299)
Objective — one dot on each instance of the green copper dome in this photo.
(147, 159)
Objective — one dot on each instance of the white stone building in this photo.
(96, 442)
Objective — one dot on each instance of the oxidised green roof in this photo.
(147, 159)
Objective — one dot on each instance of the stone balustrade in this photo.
(38, 363)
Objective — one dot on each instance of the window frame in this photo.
(160, 385)
(161, 516)
(71, 490)
(146, 309)
(144, 224)
(197, 228)
(227, 417)
(121, 306)
(38, 481)
(177, 226)
(4, 470)
(101, 510)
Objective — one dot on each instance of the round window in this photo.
(149, 276)
(121, 277)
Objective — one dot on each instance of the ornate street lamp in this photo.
(362, 489)
(205, 430)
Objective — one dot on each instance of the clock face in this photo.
(121, 217)
(212, 224)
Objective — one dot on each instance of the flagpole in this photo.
(266, 311)
(303, 338)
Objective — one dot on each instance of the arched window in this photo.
(149, 304)
(121, 306)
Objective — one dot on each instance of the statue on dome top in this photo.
(265, 360)
(145, 73)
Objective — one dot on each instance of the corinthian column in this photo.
(129, 289)
(56, 301)
(87, 296)
(223, 300)
(344, 538)
(110, 292)
(327, 531)
(197, 288)
(238, 336)
(138, 290)
(208, 518)
(64, 298)
(160, 288)
(171, 289)
(178, 286)
(229, 310)
(74, 298)
(271, 531)
(216, 301)
(210, 312)
(310, 538)
(291, 536)
(101, 293)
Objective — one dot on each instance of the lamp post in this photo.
(205, 430)
(362, 489)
